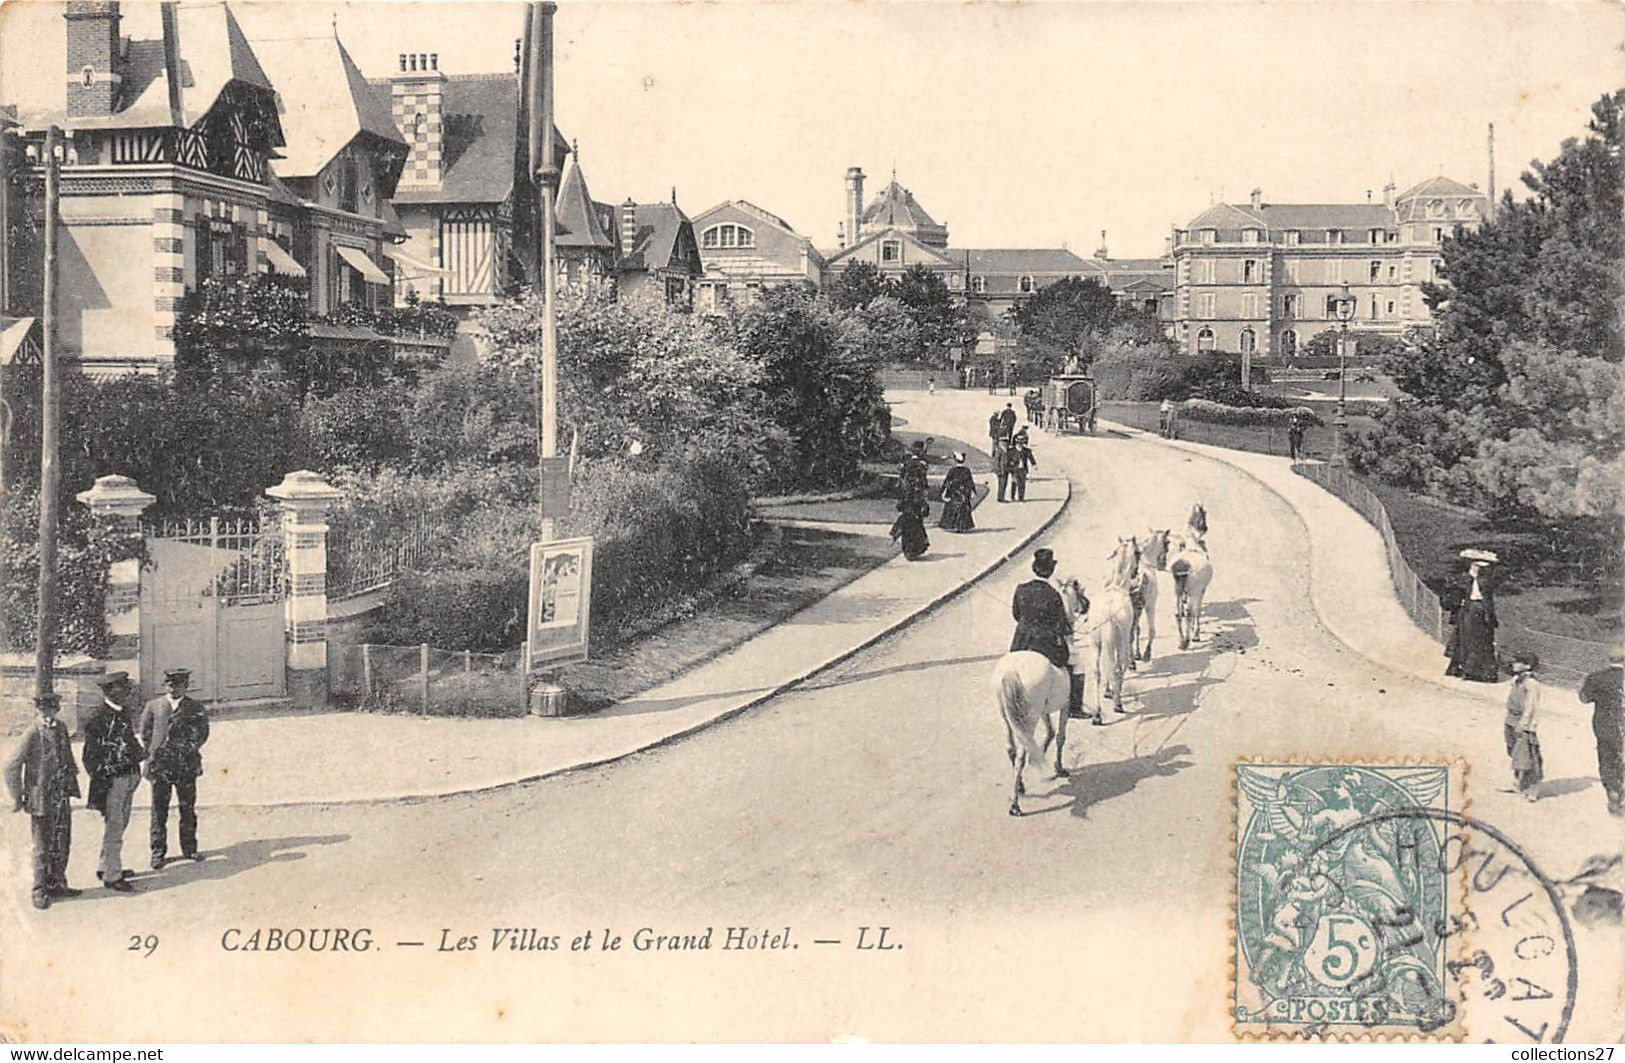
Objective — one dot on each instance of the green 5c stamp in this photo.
(1346, 906)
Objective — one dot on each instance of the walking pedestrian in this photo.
(1523, 712)
(1018, 458)
(958, 492)
(1472, 641)
(1165, 419)
(1294, 435)
(1007, 421)
(173, 728)
(113, 757)
(995, 429)
(1601, 690)
(41, 776)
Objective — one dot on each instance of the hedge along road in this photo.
(873, 796)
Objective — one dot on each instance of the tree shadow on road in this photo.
(1176, 699)
(899, 669)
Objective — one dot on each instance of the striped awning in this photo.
(18, 340)
(281, 261)
(409, 268)
(363, 265)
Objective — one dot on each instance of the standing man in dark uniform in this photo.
(174, 728)
(1018, 458)
(1007, 421)
(42, 776)
(1602, 690)
(113, 757)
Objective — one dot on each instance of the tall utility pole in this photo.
(544, 171)
(50, 478)
(1491, 211)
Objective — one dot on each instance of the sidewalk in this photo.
(287, 759)
(1349, 578)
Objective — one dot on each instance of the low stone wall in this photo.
(75, 684)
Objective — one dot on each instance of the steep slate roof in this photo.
(659, 225)
(1326, 215)
(481, 139)
(325, 103)
(896, 205)
(1438, 186)
(579, 222)
(896, 233)
(214, 53)
(1019, 260)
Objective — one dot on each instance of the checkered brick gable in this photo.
(417, 114)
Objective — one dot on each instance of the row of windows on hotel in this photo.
(1247, 342)
(1377, 307)
(1377, 271)
(1294, 237)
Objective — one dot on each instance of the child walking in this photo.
(1523, 712)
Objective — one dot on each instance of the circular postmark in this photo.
(1508, 952)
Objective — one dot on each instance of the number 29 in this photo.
(145, 945)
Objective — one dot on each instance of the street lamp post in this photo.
(1343, 305)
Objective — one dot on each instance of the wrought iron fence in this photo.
(239, 560)
(1562, 658)
(424, 681)
(1414, 594)
(359, 560)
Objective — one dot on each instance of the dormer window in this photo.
(1465, 208)
(978, 285)
(727, 236)
(891, 250)
(1025, 285)
(1435, 208)
(955, 282)
(1334, 236)
(1291, 237)
(1210, 236)
(1249, 236)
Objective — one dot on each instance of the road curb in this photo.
(1494, 693)
(727, 714)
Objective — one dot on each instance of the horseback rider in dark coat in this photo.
(1042, 624)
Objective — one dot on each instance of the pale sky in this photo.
(1017, 125)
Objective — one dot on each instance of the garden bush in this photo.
(86, 547)
(457, 609)
(1220, 413)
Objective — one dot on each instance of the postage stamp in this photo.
(1347, 904)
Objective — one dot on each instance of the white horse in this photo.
(1153, 559)
(1103, 641)
(1192, 571)
(1030, 691)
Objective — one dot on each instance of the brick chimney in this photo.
(629, 227)
(416, 100)
(854, 204)
(1388, 191)
(1258, 198)
(1100, 252)
(93, 57)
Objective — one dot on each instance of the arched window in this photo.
(1025, 285)
(1289, 343)
(718, 236)
(978, 285)
(1249, 341)
(1204, 340)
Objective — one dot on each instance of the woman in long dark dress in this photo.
(910, 527)
(958, 491)
(1472, 641)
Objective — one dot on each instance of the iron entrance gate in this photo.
(212, 601)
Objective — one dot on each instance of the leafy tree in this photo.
(1378, 346)
(1062, 315)
(1515, 403)
(940, 320)
(858, 285)
(636, 374)
(894, 336)
(819, 382)
(236, 323)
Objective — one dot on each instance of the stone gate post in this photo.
(305, 497)
(119, 498)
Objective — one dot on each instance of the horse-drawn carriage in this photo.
(1069, 403)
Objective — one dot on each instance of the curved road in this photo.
(873, 796)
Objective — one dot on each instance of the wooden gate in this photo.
(212, 600)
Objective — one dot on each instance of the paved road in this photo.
(874, 796)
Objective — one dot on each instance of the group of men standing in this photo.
(42, 777)
(1012, 454)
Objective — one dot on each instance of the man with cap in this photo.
(113, 757)
(1042, 625)
(41, 776)
(1602, 691)
(174, 728)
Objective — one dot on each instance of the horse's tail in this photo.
(1016, 706)
(1181, 570)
